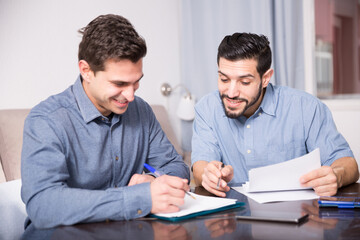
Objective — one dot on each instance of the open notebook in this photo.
(202, 205)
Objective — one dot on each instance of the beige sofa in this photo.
(11, 131)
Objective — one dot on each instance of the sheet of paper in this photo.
(277, 196)
(282, 176)
(201, 203)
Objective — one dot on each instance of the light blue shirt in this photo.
(288, 124)
(76, 164)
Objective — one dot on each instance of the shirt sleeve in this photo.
(51, 202)
(162, 154)
(321, 133)
(204, 142)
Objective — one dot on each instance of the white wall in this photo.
(39, 44)
(346, 114)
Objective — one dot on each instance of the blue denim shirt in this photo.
(76, 163)
(288, 124)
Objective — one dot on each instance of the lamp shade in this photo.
(186, 109)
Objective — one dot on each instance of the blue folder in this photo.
(339, 202)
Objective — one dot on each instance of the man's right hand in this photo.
(210, 174)
(167, 193)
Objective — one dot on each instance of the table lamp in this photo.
(185, 110)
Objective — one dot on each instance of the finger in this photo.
(329, 179)
(227, 173)
(213, 190)
(223, 187)
(217, 164)
(214, 167)
(327, 190)
(211, 176)
(133, 180)
(317, 173)
(169, 209)
(175, 182)
(165, 189)
(167, 201)
(227, 170)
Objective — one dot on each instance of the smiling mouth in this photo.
(121, 104)
(233, 103)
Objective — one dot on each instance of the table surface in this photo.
(321, 224)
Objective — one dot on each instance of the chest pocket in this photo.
(281, 152)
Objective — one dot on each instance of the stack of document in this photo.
(201, 205)
(277, 182)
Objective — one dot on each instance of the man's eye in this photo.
(224, 80)
(245, 83)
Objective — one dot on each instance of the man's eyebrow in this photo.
(240, 77)
(121, 81)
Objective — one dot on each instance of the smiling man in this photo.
(84, 149)
(250, 123)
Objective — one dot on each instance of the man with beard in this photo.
(249, 123)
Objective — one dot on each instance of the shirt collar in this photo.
(87, 109)
(270, 100)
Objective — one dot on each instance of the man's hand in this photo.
(140, 178)
(210, 177)
(167, 193)
(323, 180)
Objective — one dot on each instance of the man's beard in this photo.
(230, 114)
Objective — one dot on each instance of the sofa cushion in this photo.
(11, 132)
(163, 118)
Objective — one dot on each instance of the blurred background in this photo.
(315, 43)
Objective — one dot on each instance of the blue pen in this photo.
(153, 170)
(158, 174)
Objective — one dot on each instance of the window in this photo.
(337, 48)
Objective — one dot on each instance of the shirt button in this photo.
(249, 151)
(116, 158)
(259, 114)
(248, 126)
(139, 211)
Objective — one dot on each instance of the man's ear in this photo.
(266, 77)
(85, 70)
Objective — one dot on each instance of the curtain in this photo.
(204, 23)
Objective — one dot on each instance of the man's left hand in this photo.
(323, 180)
(140, 178)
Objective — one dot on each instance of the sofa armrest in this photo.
(11, 135)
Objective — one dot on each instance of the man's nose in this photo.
(129, 93)
(233, 90)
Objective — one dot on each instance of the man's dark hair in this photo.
(246, 46)
(110, 37)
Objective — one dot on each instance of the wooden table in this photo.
(321, 224)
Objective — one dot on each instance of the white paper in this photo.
(283, 176)
(201, 203)
(264, 197)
